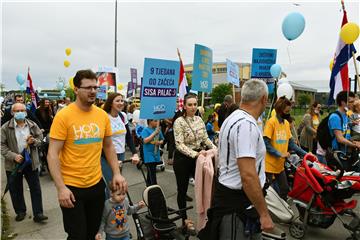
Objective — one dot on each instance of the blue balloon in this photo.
(293, 25)
(63, 93)
(60, 85)
(45, 95)
(275, 70)
(22, 87)
(20, 78)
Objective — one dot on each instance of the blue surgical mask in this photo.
(20, 115)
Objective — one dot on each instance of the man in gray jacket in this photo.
(16, 135)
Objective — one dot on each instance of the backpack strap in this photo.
(122, 117)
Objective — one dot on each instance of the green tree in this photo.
(219, 92)
(70, 93)
(189, 79)
(304, 99)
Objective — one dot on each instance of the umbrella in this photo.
(19, 167)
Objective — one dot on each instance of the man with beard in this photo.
(77, 136)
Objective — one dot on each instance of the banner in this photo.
(232, 72)
(262, 59)
(107, 76)
(102, 93)
(130, 89)
(133, 75)
(159, 88)
(202, 71)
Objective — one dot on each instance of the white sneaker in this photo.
(192, 181)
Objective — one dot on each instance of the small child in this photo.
(152, 138)
(114, 219)
(210, 127)
(355, 130)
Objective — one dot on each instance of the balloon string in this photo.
(288, 52)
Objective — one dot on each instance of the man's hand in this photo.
(98, 236)
(66, 197)
(19, 158)
(119, 183)
(135, 159)
(357, 144)
(285, 155)
(267, 224)
(30, 140)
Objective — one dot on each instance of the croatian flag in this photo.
(339, 80)
(182, 84)
(30, 90)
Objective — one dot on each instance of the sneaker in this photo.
(192, 181)
(19, 217)
(40, 218)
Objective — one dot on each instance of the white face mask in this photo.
(346, 108)
(316, 111)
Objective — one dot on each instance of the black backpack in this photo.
(323, 132)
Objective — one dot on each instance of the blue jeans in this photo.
(108, 237)
(107, 172)
(17, 191)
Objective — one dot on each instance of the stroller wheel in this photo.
(162, 168)
(297, 230)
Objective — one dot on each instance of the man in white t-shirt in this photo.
(239, 204)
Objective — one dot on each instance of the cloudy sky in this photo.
(36, 34)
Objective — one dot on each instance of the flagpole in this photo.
(115, 48)
(356, 69)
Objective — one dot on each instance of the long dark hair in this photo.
(109, 101)
(45, 112)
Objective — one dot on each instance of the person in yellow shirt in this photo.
(278, 140)
(77, 136)
(216, 117)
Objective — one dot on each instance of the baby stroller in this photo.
(319, 194)
(163, 226)
(161, 165)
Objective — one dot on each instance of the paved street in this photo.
(53, 229)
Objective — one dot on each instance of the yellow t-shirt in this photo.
(83, 134)
(316, 121)
(279, 135)
(215, 123)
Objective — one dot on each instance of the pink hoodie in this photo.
(204, 175)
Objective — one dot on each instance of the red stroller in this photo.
(319, 194)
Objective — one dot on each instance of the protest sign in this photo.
(232, 72)
(202, 71)
(262, 60)
(159, 88)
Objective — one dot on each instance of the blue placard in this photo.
(202, 72)
(262, 59)
(102, 93)
(159, 88)
(232, 72)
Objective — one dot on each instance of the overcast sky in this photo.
(36, 34)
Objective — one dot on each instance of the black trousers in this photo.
(151, 174)
(282, 186)
(184, 167)
(83, 221)
(17, 192)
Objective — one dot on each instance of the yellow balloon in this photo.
(66, 63)
(71, 83)
(120, 87)
(331, 64)
(68, 51)
(349, 33)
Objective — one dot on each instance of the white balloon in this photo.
(285, 89)
(283, 80)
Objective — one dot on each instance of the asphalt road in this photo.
(53, 228)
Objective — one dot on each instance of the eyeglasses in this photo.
(89, 88)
